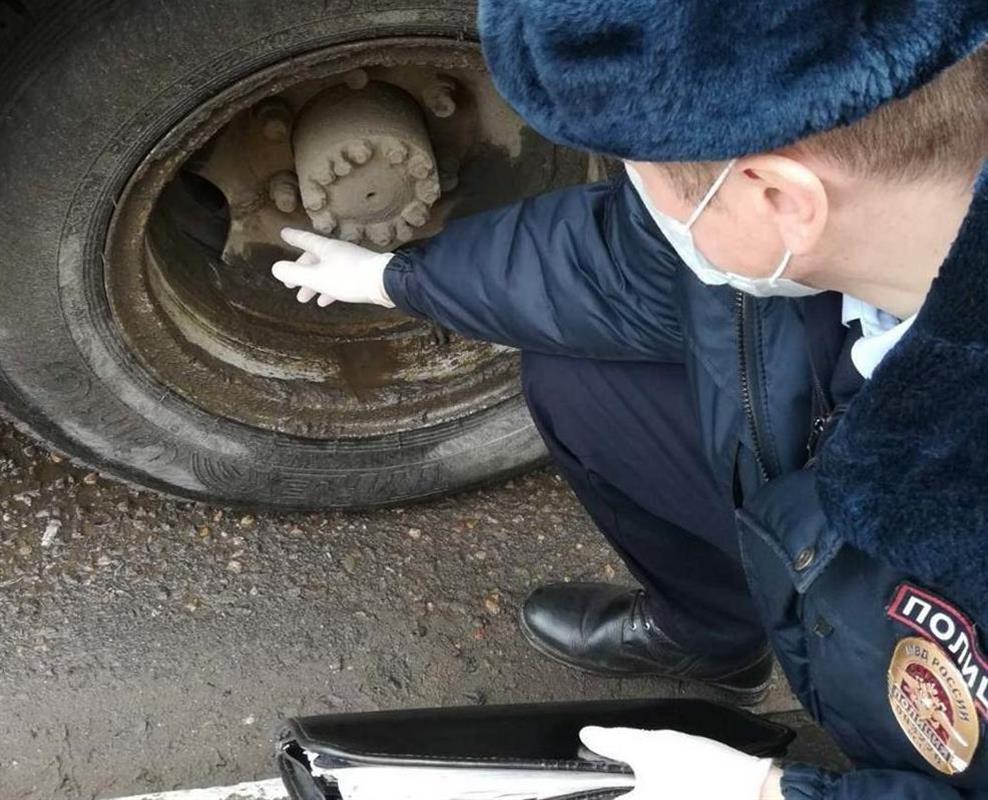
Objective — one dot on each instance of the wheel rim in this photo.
(220, 332)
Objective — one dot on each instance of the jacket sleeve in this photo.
(805, 782)
(581, 272)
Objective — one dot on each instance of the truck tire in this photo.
(87, 89)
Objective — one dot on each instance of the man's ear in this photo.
(788, 195)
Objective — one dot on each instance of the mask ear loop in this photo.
(710, 194)
(706, 202)
(782, 268)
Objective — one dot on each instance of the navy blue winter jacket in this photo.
(868, 563)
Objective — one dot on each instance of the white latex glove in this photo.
(333, 270)
(669, 765)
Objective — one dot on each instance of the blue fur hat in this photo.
(697, 80)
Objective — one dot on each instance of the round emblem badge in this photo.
(933, 705)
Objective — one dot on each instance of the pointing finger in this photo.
(304, 240)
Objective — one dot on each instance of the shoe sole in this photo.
(743, 696)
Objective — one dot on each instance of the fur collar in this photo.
(905, 475)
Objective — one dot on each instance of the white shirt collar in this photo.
(880, 333)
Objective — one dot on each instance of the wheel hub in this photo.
(365, 163)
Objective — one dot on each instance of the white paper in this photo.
(452, 783)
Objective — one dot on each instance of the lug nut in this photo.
(314, 197)
(415, 214)
(419, 166)
(341, 166)
(324, 223)
(397, 153)
(324, 173)
(427, 191)
(276, 119)
(356, 79)
(403, 231)
(275, 130)
(380, 233)
(359, 152)
(283, 191)
(439, 98)
(351, 232)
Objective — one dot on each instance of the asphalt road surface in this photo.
(148, 644)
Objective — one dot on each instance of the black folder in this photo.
(536, 737)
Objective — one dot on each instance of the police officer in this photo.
(760, 359)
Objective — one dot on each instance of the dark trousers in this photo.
(626, 437)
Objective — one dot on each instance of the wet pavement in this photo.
(149, 644)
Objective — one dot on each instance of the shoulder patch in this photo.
(942, 623)
(932, 705)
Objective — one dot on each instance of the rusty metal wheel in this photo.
(151, 159)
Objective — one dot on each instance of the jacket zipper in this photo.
(824, 411)
(744, 332)
(817, 426)
(821, 425)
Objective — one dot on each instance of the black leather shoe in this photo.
(606, 630)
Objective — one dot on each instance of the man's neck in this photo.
(893, 241)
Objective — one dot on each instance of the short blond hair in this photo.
(939, 129)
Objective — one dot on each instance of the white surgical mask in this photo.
(680, 236)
